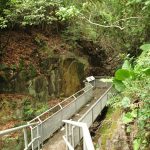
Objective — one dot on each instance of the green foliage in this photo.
(25, 12)
(32, 109)
(136, 144)
(145, 47)
(127, 118)
(3, 23)
(4, 4)
(127, 65)
(28, 111)
(126, 102)
(66, 13)
(146, 71)
(118, 24)
(119, 85)
(134, 96)
(122, 74)
(32, 72)
(40, 109)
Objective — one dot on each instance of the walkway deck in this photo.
(56, 142)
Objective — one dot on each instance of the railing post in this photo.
(87, 140)
(74, 96)
(84, 145)
(79, 135)
(25, 138)
(41, 130)
(66, 135)
(72, 135)
(38, 137)
(70, 138)
(60, 106)
(32, 137)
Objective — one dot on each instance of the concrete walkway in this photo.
(56, 142)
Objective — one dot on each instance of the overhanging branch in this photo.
(112, 25)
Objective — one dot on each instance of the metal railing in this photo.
(51, 120)
(63, 111)
(87, 140)
(27, 145)
(75, 135)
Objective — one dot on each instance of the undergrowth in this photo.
(132, 82)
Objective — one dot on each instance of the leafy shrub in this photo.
(32, 108)
(28, 12)
(28, 110)
(66, 13)
(113, 24)
(133, 84)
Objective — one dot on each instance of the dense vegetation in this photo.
(117, 26)
(133, 83)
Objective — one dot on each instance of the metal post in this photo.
(60, 106)
(72, 135)
(74, 96)
(84, 145)
(66, 135)
(42, 135)
(25, 138)
(41, 130)
(32, 138)
(79, 135)
(70, 140)
(38, 137)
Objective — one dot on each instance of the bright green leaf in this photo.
(119, 85)
(147, 71)
(122, 74)
(145, 47)
(136, 144)
(127, 118)
(134, 113)
(126, 65)
(128, 129)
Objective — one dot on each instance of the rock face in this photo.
(47, 66)
(73, 73)
(103, 61)
(38, 88)
(60, 75)
(118, 140)
(111, 134)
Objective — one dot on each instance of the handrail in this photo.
(71, 136)
(16, 128)
(59, 103)
(71, 102)
(38, 128)
(68, 144)
(88, 144)
(26, 145)
(95, 103)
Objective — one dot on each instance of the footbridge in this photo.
(67, 124)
